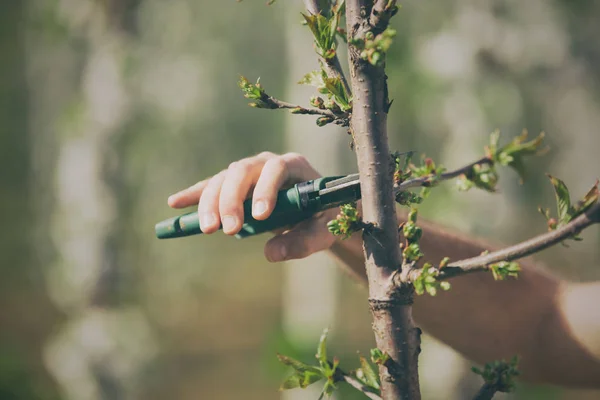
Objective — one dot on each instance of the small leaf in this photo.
(322, 349)
(309, 378)
(590, 198)
(379, 357)
(563, 199)
(370, 377)
(314, 78)
(291, 382)
(298, 366)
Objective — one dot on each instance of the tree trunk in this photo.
(395, 331)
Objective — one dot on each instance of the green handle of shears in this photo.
(289, 210)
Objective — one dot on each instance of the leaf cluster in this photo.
(484, 175)
(347, 222)
(338, 100)
(427, 281)
(255, 91)
(325, 30)
(500, 374)
(373, 48)
(305, 375)
(565, 209)
(504, 269)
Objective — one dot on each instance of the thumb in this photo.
(302, 240)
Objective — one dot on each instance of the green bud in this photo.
(324, 120)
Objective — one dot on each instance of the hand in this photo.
(220, 202)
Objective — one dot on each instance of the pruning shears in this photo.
(293, 205)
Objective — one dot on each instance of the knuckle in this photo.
(277, 164)
(240, 167)
(266, 155)
(293, 156)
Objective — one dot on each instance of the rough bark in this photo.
(395, 331)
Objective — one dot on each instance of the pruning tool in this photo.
(293, 205)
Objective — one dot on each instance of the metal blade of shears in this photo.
(340, 191)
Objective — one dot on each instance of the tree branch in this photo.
(279, 104)
(520, 250)
(332, 66)
(425, 180)
(381, 13)
(393, 325)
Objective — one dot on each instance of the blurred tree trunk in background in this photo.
(26, 314)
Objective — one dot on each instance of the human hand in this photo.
(220, 202)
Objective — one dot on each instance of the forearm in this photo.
(487, 320)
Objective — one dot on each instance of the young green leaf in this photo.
(367, 375)
(513, 153)
(298, 366)
(563, 199)
(504, 269)
(427, 281)
(322, 350)
(291, 382)
(379, 357)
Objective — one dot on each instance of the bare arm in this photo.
(553, 325)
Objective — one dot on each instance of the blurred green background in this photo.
(109, 106)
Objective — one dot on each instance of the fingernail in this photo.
(208, 219)
(259, 208)
(229, 223)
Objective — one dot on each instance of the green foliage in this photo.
(504, 269)
(254, 91)
(374, 48)
(513, 153)
(566, 211)
(481, 176)
(379, 357)
(402, 172)
(325, 30)
(411, 252)
(484, 176)
(305, 375)
(401, 166)
(347, 222)
(500, 374)
(427, 281)
(367, 375)
(332, 87)
(428, 169)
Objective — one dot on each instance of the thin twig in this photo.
(523, 249)
(279, 104)
(356, 384)
(425, 180)
(333, 68)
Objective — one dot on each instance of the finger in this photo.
(187, 197)
(273, 176)
(289, 168)
(240, 178)
(208, 206)
(304, 239)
